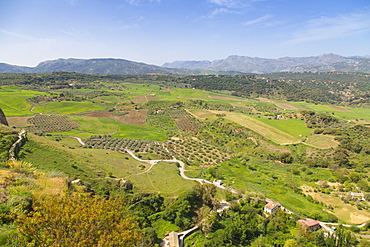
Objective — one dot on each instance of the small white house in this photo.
(271, 207)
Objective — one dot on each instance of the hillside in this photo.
(185, 152)
(322, 63)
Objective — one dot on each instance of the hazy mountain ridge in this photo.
(323, 63)
(92, 66)
(7, 68)
(234, 63)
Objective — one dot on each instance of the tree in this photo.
(286, 158)
(79, 220)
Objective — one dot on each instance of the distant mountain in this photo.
(231, 65)
(100, 66)
(324, 63)
(94, 66)
(7, 68)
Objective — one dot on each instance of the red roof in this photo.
(309, 222)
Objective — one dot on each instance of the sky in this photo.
(159, 31)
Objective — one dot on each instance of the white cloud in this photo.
(233, 3)
(332, 27)
(228, 3)
(219, 11)
(257, 20)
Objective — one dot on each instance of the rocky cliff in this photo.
(3, 118)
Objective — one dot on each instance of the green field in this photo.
(68, 107)
(141, 132)
(348, 113)
(13, 100)
(264, 129)
(180, 94)
(88, 126)
(295, 127)
(163, 178)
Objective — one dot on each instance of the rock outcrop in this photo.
(3, 118)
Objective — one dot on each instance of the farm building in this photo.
(359, 196)
(311, 224)
(271, 207)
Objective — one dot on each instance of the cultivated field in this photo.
(261, 128)
(321, 141)
(67, 107)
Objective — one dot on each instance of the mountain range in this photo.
(90, 66)
(323, 63)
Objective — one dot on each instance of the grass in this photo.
(47, 155)
(264, 129)
(321, 141)
(177, 94)
(93, 125)
(275, 181)
(163, 178)
(89, 126)
(121, 165)
(68, 107)
(348, 113)
(18, 121)
(13, 100)
(138, 89)
(294, 126)
(140, 132)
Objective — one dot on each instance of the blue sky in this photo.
(159, 31)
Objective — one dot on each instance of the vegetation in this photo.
(70, 220)
(309, 155)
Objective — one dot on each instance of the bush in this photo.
(79, 220)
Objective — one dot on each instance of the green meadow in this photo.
(68, 107)
(88, 126)
(295, 127)
(163, 178)
(140, 132)
(13, 100)
(348, 113)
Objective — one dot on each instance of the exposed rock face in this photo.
(3, 118)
